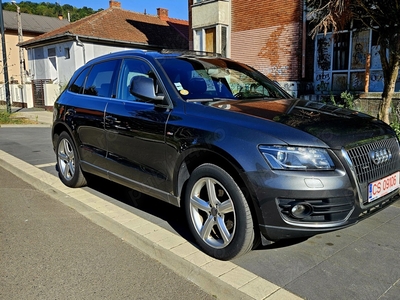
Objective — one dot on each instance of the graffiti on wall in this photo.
(323, 53)
(273, 70)
(375, 58)
(359, 49)
(278, 70)
(376, 81)
(323, 63)
(339, 82)
(357, 81)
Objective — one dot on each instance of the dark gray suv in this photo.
(222, 141)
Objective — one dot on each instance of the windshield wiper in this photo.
(209, 99)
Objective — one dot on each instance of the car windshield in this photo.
(208, 79)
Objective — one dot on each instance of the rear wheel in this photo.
(69, 169)
(217, 213)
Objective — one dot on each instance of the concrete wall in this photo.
(25, 100)
(210, 13)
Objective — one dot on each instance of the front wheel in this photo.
(217, 213)
(69, 169)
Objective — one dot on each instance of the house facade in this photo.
(273, 37)
(32, 26)
(268, 35)
(18, 70)
(53, 57)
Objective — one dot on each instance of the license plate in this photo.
(383, 186)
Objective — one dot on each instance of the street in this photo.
(360, 262)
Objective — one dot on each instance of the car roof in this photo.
(153, 54)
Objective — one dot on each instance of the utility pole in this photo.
(21, 51)
(5, 67)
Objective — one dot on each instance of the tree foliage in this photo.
(381, 16)
(51, 9)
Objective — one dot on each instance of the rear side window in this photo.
(79, 84)
(101, 79)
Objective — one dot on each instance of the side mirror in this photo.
(143, 88)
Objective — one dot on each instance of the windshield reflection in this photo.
(216, 78)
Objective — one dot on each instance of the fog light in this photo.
(301, 210)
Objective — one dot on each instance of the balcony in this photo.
(210, 13)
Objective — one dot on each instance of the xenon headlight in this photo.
(297, 158)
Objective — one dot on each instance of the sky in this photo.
(177, 9)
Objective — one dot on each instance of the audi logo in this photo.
(380, 156)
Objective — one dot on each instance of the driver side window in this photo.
(132, 68)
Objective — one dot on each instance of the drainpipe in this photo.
(79, 43)
(304, 41)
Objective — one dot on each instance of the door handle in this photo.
(111, 119)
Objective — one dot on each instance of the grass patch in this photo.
(7, 118)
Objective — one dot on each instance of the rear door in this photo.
(90, 94)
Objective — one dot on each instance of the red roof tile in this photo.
(125, 26)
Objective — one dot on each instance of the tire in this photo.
(69, 169)
(217, 212)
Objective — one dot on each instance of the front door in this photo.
(135, 133)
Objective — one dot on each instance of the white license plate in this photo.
(383, 186)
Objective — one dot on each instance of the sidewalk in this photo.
(40, 116)
(50, 251)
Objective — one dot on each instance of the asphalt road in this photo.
(360, 262)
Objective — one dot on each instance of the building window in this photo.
(341, 62)
(66, 53)
(341, 52)
(51, 52)
(211, 39)
(224, 40)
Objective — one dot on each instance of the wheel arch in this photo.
(222, 159)
(57, 130)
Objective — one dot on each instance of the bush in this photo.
(396, 128)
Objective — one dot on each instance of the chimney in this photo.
(115, 4)
(162, 13)
(60, 17)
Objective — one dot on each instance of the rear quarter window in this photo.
(79, 83)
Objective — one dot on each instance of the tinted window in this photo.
(130, 69)
(101, 78)
(210, 78)
(78, 85)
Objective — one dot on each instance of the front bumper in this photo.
(333, 199)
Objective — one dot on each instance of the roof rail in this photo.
(190, 52)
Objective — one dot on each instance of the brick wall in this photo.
(266, 34)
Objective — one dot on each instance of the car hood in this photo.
(335, 126)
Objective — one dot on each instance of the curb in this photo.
(222, 279)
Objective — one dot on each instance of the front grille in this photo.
(366, 170)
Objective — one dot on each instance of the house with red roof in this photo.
(54, 56)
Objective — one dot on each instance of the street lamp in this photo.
(21, 51)
(5, 67)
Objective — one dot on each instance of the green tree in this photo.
(381, 16)
(51, 9)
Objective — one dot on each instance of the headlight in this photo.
(297, 158)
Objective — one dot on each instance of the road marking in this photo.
(45, 165)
